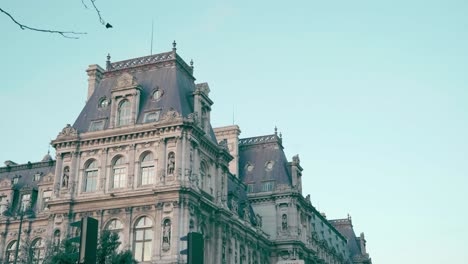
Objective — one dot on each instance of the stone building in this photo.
(143, 159)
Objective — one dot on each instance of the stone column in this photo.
(131, 166)
(128, 225)
(58, 174)
(103, 182)
(75, 169)
(162, 161)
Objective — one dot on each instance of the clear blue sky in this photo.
(371, 94)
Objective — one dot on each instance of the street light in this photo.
(23, 209)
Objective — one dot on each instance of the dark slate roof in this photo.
(345, 227)
(175, 80)
(257, 151)
(26, 173)
(237, 190)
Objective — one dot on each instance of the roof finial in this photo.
(108, 63)
(191, 63)
(281, 135)
(174, 44)
(276, 130)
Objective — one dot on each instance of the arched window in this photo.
(147, 169)
(56, 240)
(38, 251)
(203, 170)
(124, 113)
(116, 226)
(119, 173)
(143, 239)
(10, 252)
(91, 175)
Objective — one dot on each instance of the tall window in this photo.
(143, 239)
(267, 186)
(116, 226)
(147, 169)
(38, 251)
(56, 240)
(10, 253)
(119, 172)
(202, 175)
(91, 175)
(45, 198)
(25, 202)
(3, 204)
(124, 113)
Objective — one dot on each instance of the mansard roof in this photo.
(25, 173)
(236, 190)
(166, 72)
(254, 155)
(345, 227)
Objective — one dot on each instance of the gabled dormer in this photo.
(125, 98)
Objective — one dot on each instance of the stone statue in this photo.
(65, 177)
(167, 235)
(284, 222)
(170, 163)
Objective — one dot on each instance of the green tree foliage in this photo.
(107, 252)
(66, 253)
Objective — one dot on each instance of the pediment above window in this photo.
(126, 80)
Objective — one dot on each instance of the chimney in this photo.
(94, 77)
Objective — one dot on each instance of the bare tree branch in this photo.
(93, 2)
(98, 12)
(65, 34)
(82, 1)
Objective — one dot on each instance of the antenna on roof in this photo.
(152, 24)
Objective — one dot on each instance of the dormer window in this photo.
(124, 113)
(96, 125)
(15, 180)
(152, 116)
(157, 94)
(37, 177)
(25, 202)
(3, 204)
(103, 103)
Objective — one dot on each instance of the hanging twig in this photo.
(62, 33)
(101, 20)
(82, 1)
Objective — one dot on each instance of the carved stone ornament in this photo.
(296, 159)
(193, 117)
(126, 80)
(170, 116)
(58, 219)
(68, 131)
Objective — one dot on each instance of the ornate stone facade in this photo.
(148, 165)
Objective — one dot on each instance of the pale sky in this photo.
(371, 94)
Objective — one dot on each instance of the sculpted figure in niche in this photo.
(170, 163)
(166, 234)
(66, 176)
(284, 222)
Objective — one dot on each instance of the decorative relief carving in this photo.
(114, 211)
(126, 80)
(58, 219)
(68, 131)
(171, 116)
(168, 207)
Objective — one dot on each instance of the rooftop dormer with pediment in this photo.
(142, 91)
